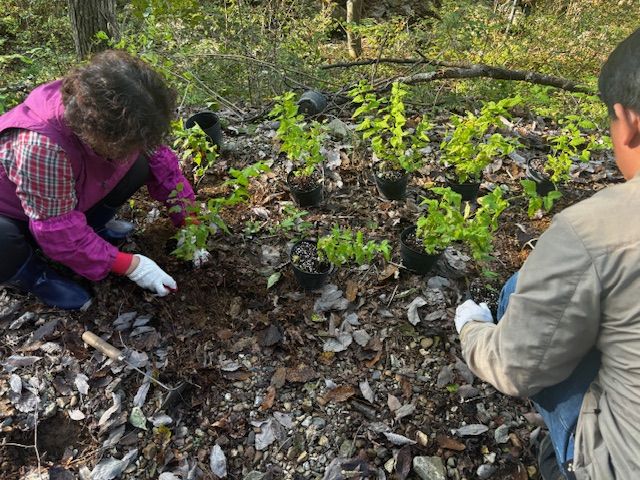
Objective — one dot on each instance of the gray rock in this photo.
(502, 433)
(485, 471)
(429, 468)
(254, 475)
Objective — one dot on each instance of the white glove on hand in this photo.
(150, 276)
(470, 311)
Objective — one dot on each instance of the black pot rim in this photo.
(315, 244)
(204, 113)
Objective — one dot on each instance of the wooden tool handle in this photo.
(103, 347)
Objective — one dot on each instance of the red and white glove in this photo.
(150, 276)
(470, 311)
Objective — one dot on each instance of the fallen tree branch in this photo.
(461, 70)
(398, 61)
(498, 73)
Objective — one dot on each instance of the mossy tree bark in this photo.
(89, 17)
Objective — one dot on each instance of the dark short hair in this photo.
(118, 104)
(619, 80)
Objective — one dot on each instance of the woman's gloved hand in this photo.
(470, 311)
(147, 274)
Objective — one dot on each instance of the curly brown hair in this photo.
(118, 104)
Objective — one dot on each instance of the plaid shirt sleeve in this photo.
(41, 172)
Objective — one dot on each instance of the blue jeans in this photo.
(559, 405)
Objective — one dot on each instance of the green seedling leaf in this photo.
(273, 279)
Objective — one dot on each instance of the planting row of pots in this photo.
(444, 222)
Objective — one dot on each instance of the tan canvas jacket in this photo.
(580, 287)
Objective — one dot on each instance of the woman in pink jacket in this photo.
(70, 155)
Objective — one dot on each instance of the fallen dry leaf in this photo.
(269, 398)
(389, 271)
(393, 403)
(224, 334)
(338, 394)
(301, 374)
(449, 443)
(279, 377)
(371, 363)
(351, 290)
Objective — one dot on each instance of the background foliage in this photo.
(218, 51)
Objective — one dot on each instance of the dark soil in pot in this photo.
(535, 172)
(392, 184)
(414, 257)
(210, 124)
(306, 190)
(310, 272)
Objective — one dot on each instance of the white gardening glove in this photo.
(150, 276)
(470, 311)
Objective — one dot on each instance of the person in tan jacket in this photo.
(569, 329)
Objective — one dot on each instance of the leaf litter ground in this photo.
(364, 376)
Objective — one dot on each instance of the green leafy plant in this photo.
(445, 223)
(482, 224)
(344, 246)
(195, 147)
(384, 123)
(301, 142)
(537, 202)
(470, 147)
(292, 222)
(572, 144)
(200, 224)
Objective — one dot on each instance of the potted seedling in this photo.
(422, 244)
(309, 269)
(471, 146)
(312, 262)
(302, 144)
(445, 223)
(396, 147)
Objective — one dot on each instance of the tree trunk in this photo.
(354, 15)
(89, 17)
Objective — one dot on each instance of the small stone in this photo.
(254, 475)
(390, 464)
(346, 449)
(502, 433)
(426, 342)
(323, 441)
(382, 453)
(149, 451)
(422, 438)
(319, 422)
(429, 468)
(302, 457)
(485, 471)
(451, 462)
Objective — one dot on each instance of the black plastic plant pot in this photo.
(469, 191)
(417, 261)
(543, 184)
(392, 188)
(210, 124)
(312, 103)
(303, 257)
(311, 197)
